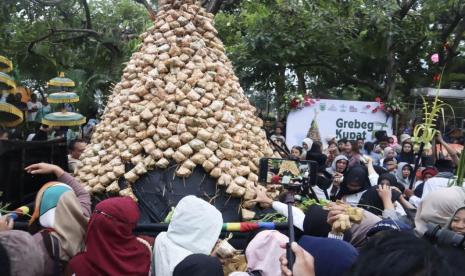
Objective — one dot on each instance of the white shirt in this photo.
(31, 115)
(298, 216)
(432, 184)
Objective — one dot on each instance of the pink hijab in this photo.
(264, 251)
(394, 145)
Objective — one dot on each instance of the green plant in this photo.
(426, 131)
(460, 171)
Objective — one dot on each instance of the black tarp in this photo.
(16, 186)
(159, 190)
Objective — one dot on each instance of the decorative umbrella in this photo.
(63, 119)
(5, 64)
(61, 81)
(7, 83)
(63, 97)
(10, 115)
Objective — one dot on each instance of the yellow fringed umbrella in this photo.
(61, 81)
(7, 83)
(63, 97)
(6, 65)
(10, 115)
(63, 119)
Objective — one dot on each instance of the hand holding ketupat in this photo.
(341, 216)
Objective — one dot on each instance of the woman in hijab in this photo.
(387, 154)
(24, 254)
(194, 229)
(438, 207)
(263, 253)
(306, 146)
(339, 165)
(332, 257)
(316, 154)
(355, 183)
(336, 171)
(111, 246)
(199, 265)
(457, 221)
(61, 209)
(371, 199)
(393, 142)
(406, 153)
(403, 174)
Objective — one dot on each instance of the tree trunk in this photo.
(301, 85)
(390, 81)
(280, 87)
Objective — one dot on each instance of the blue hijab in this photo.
(332, 257)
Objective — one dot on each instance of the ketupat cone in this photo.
(314, 132)
(178, 99)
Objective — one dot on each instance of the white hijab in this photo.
(194, 229)
(438, 206)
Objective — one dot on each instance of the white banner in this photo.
(344, 119)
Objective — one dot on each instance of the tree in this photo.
(87, 40)
(350, 49)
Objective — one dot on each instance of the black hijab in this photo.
(371, 201)
(355, 174)
(316, 224)
(407, 157)
(320, 158)
(392, 180)
(199, 265)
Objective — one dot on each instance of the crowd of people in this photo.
(413, 224)
(34, 110)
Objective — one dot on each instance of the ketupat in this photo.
(314, 132)
(344, 221)
(178, 99)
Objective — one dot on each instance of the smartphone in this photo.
(287, 172)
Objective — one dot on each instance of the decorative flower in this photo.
(294, 103)
(368, 106)
(437, 77)
(435, 58)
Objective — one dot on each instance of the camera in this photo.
(290, 173)
(436, 234)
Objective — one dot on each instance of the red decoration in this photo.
(437, 77)
(294, 103)
(275, 179)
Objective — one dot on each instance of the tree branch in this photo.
(98, 36)
(212, 6)
(87, 13)
(405, 7)
(48, 2)
(148, 7)
(373, 85)
(42, 38)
